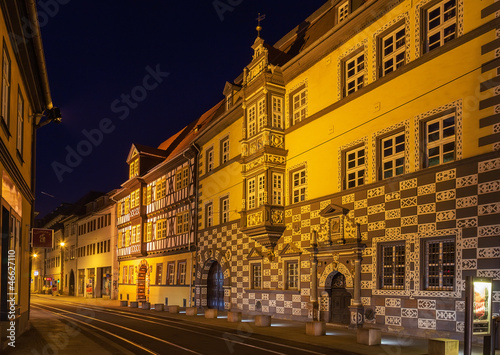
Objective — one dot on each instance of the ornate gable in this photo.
(290, 249)
(255, 254)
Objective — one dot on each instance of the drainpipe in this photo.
(196, 224)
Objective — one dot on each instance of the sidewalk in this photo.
(44, 332)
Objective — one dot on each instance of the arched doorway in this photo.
(215, 290)
(71, 283)
(340, 300)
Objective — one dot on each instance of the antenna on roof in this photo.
(259, 28)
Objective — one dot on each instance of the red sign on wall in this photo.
(42, 238)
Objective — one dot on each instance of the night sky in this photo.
(137, 71)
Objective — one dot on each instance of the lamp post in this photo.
(62, 244)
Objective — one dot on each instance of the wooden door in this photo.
(215, 290)
(340, 301)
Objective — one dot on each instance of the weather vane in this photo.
(259, 18)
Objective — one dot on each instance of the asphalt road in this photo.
(153, 333)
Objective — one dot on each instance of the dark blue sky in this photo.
(108, 63)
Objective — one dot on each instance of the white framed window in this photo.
(292, 275)
(354, 73)
(252, 121)
(355, 167)
(392, 275)
(210, 159)
(393, 50)
(209, 215)
(299, 106)
(261, 114)
(393, 155)
(5, 87)
(181, 272)
(261, 189)
(229, 101)
(224, 149)
(171, 273)
(277, 112)
(440, 140)
(277, 189)
(251, 193)
(439, 264)
(342, 11)
(256, 275)
(441, 24)
(299, 186)
(224, 210)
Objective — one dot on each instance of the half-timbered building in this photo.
(156, 210)
(368, 169)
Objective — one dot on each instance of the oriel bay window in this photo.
(251, 121)
(251, 193)
(261, 114)
(439, 264)
(392, 275)
(277, 189)
(277, 103)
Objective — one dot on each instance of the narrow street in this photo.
(116, 329)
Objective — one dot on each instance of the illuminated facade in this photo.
(156, 214)
(25, 95)
(352, 173)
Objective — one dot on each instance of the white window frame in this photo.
(261, 190)
(444, 20)
(354, 72)
(355, 164)
(277, 189)
(299, 184)
(209, 215)
(224, 209)
(254, 276)
(277, 103)
(210, 159)
(224, 148)
(342, 11)
(292, 281)
(299, 106)
(252, 121)
(393, 50)
(181, 272)
(261, 114)
(443, 141)
(392, 152)
(251, 192)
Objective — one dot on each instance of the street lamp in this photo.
(62, 244)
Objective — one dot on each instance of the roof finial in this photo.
(259, 28)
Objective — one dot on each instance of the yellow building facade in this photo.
(24, 99)
(368, 163)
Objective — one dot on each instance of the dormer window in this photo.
(229, 101)
(342, 11)
(134, 168)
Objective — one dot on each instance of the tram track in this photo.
(229, 338)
